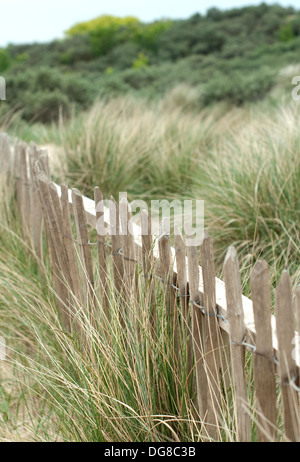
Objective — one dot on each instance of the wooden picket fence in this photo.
(218, 319)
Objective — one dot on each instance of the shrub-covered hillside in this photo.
(232, 55)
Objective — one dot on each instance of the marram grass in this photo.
(244, 163)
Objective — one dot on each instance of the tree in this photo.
(147, 35)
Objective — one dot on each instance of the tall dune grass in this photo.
(112, 382)
(244, 162)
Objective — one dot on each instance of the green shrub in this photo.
(41, 92)
(22, 57)
(68, 57)
(140, 78)
(44, 106)
(104, 22)
(209, 40)
(286, 33)
(112, 85)
(141, 61)
(147, 35)
(123, 55)
(47, 79)
(110, 32)
(78, 90)
(4, 60)
(238, 88)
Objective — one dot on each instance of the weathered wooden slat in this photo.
(68, 240)
(166, 270)
(23, 188)
(130, 282)
(226, 365)
(66, 267)
(55, 246)
(117, 247)
(211, 340)
(44, 161)
(148, 266)
(64, 258)
(128, 249)
(237, 333)
(18, 176)
(264, 366)
(287, 367)
(180, 252)
(5, 154)
(101, 251)
(35, 206)
(84, 248)
(166, 262)
(52, 205)
(16, 161)
(170, 303)
(197, 330)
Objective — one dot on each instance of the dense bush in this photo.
(114, 39)
(238, 88)
(4, 60)
(112, 85)
(224, 52)
(44, 106)
(39, 93)
(122, 56)
(147, 35)
(106, 23)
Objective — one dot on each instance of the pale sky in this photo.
(26, 21)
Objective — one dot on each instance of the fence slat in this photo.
(16, 162)
(128, 249)
(18, 176)
(197, 329)
(166, 269)
(148, 265)
(117, 247)
(55, 247)
(68, 240)
(170, 302)
(84, 248)
(211, 339)
(130, 293)
(5, 154)
(24, 189)
(36, 211)
(287, 367)
(44, 161)
(237, 333)
(62, 249)
(180, 253)
(101, 252)
(264, 367)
